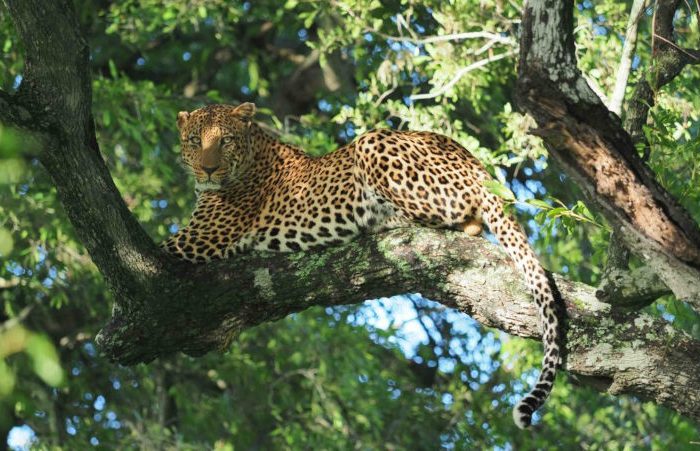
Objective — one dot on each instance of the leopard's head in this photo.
(215, 143)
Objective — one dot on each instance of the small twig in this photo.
(12, 322)
(483, 48)
(384, 95)
(448, 37)
(9, 283)
(570, 213)
(628, 49)
(461, 73)
(687, 53)
(596, 88)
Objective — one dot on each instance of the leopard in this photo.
(255, 192)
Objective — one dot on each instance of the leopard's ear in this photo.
(245, 110)
(182, 117)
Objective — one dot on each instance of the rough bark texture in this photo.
(159, 302)
(589, 142)
(56, 97)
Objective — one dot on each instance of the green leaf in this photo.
(45, 360)
(539, 204)
(309, 19)
(7, 379)
(499, 190)
(11, 142)
(558, 211)
(113, 72)
(6, 242)
(253, 74)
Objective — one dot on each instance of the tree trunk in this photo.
(589, 143)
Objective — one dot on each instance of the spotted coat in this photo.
(255, 192)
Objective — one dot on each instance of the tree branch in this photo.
(56, 93)
(628, 47)
(461, 73)
(634, 288)
(668, 60)
(461, 272)
(589, 143)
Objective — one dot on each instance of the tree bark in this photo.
(55, 100)
(589, 142)
(159, 307)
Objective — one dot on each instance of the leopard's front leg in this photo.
(181, 245)
(195, 246)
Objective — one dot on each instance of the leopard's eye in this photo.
(195, 140)
(227, 139)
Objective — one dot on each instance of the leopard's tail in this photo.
(514, 241)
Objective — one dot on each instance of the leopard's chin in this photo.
(207, 185)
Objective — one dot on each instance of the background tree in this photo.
(331, 377)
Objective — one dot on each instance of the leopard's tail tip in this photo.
(522, 415)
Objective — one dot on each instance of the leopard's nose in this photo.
(210, 169)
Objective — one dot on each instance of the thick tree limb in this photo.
(468, 274)
(164, 306)
(589, 143)
(56, 97)
(634, 288)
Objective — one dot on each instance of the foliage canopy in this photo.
(405, 373)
